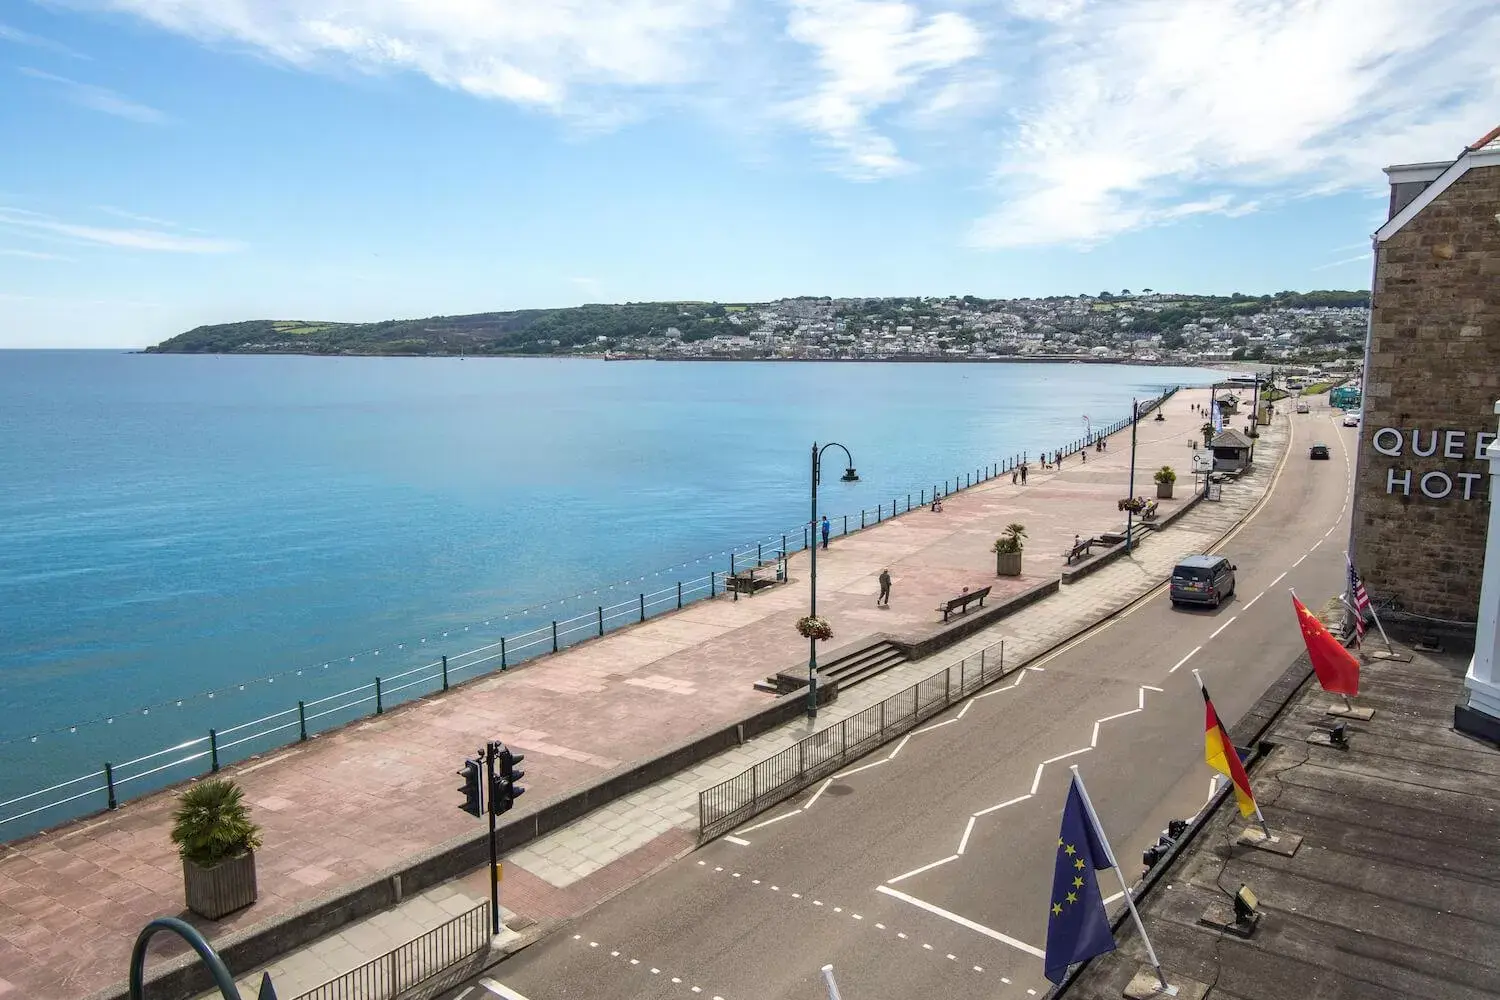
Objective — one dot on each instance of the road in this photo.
(925, 869)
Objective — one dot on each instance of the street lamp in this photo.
(849, 476)
(1135, 416)
(222, 979)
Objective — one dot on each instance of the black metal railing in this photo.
(416, 962)
(735, 800)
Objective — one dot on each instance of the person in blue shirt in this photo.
(826, 529)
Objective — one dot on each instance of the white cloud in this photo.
(1343, 263)
(87, 95)
(18, 37)
(130, 239)
(1142, 105)
(31, 254)
(870, 54)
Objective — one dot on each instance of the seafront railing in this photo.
(105, 787)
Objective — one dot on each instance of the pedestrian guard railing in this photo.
(829, 750)
(416, 969)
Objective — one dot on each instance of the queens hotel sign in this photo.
(1454, 446)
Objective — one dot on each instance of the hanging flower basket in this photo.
(813, 627)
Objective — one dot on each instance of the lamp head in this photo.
(850, 476)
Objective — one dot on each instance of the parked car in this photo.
(1351, 420)
(1202, 580)
(1318, 451)
(1303, 408)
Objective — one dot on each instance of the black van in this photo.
(1202, 580)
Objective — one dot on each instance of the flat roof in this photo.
(1395, 891)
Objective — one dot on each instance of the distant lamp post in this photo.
(849, 476)
(222, 979)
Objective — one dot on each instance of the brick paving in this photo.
(345, 805)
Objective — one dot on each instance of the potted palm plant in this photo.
(1164, 477)
(1007, 550)
(217, 841)
(1207, 431)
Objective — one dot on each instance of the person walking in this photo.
(885, 589)
(1015, 474)
(826, 528)
(1023, 473)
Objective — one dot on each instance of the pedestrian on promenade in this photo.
(826, 529)
(1023, 473)
(885, 589)
(1084, 455)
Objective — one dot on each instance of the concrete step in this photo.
(850, 668)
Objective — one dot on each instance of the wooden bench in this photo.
(1150, 512)
(1081, 549)
(962, 601)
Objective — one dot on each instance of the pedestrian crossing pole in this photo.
(833, 987)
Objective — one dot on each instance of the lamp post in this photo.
(849, 476)
(222, 979)
(1130, 508)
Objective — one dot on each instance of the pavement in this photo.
(1392, 893)
(342, 807)
(924, 869)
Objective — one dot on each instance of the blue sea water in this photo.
(172, 526)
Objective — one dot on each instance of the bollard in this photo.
(213, 751)
(981, 667)
(109, 784)
(554, 635)
(729, 580)
(601, 609)
(643, 607)
(967, 484)
(445, 687)
(784, 552)
(302, 709)
(878, 508)
(379, 705)
(804, 539)
(1002, 656)
(679, 597)
(503, 665)
(846, 522)
(711, 582)
(759, 556)
(908, 503)
(861, 519)
(921, 497)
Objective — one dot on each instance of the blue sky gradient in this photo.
(176, 162)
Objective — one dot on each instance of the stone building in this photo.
(1432, 382)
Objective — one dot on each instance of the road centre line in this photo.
(1009, 802)
(967, 830)
(1184, 660)
(1254, 599)
(926, 867)
(1316, 544)
(1299, 561)
(1276, 581)
(1223, 627)
(963, 921)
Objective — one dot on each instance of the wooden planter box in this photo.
(219, 891)
(1164, 491)
(1007, 564)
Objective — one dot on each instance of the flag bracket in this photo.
(1222, 917)
(1282, 843)
(1348, 711)
(1145, 986)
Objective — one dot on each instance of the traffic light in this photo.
(505, 791)
(473, 803)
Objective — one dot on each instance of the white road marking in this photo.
(1276, 581)
(821, 789)
(936, 725)
(1036, 782)
(1185, 659)
(1330, 530)
(1298, 562)
(1111, 899)
(880, 926)
(965, 710)
(1120, 715)
(778, 819)
(927, 867)
(500, 990)
(963, 921)
(1008, 802)
(900, 745)
(738, 840)
(1093, 741)
(1254, 599)
(967, 830)
(465, 993)
(862, 767)
(1065, 756)
(1223, 627)
(1040, 670)
(1150, 687)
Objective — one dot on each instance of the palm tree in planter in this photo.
(217, 842)
(1164, 477)
(1008, 550)
(1207, 430)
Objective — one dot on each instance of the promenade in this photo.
(344, 806)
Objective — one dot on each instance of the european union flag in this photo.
(1077, 928)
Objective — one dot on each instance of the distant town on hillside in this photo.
(1143, 327)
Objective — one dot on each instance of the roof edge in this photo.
(1470, 158)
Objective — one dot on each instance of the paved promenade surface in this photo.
(345, 805)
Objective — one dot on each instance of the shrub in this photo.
(212, 823)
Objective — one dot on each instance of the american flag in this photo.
(1361, 600)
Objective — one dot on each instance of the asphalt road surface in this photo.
(925, 869)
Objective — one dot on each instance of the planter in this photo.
(1007, 564)
(218, 891)
(1164, 491)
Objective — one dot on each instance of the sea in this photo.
(195, 542)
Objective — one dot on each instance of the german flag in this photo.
(1222, 756)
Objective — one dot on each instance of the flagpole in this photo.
(1088, 805)
(1229, 748)
(1373, 613)
(833, 987)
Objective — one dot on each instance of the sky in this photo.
(169, 163)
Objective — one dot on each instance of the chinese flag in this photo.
(1336, 667)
